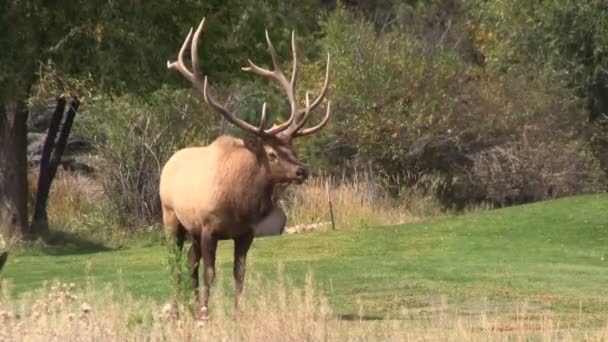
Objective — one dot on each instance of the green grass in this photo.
(552, 254)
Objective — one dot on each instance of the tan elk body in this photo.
(195, 182)
(225, 190)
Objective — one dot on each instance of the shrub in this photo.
(358, 200)
(134, 137)
(527, 139)
(409, 109)
(389, 90)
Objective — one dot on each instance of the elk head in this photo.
(272, 146)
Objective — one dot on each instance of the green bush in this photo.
(414, 110)
(388, 90)
(568, 37)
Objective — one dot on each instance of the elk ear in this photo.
(254, 144)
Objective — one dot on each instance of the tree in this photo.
(16, 79)
(13, 169)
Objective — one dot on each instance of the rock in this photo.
(39, 121)
(38, 124)
(272, 224)
(303, 228)
(79, 167)
(35, 141)
(75, 145)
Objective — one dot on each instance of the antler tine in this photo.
(321, 95)
(194, 77)
(302, 116)
(279, 76)
(292, 90)
(194, 49)
(273, 53)
(301, 120)
(229, 115)
(294, 70)
(263, 120)
(179, 64)
(316, 128)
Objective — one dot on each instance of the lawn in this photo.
(552, 255)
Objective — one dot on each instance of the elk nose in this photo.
(302, 172)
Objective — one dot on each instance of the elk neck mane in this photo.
(246, 175)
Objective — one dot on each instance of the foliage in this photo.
(123, 46)
(18, 43)
(570, 37)
(471, 101)
(523, 140)
(388, 92)
(409, 108)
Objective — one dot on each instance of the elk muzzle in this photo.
(301, 174)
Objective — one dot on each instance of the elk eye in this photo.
(272, 156)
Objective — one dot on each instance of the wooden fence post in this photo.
(331, 206)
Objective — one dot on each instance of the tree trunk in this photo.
(49, 164)
(66, 128)
(13, 170)
(40, 223)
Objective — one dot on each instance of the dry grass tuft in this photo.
(76, 202)
(358, 201)
(274, 311)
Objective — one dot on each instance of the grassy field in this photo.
(552, 256)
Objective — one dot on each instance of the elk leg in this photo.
(174, 231)
(241, 247)
(194, 257)
(180, 237)
(208, 248)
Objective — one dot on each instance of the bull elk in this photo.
(225, 190)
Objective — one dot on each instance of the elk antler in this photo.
(295, 130)
(286, 131)
(292, 127)
(194, 77)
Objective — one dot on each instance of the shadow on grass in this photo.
(65, 243)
